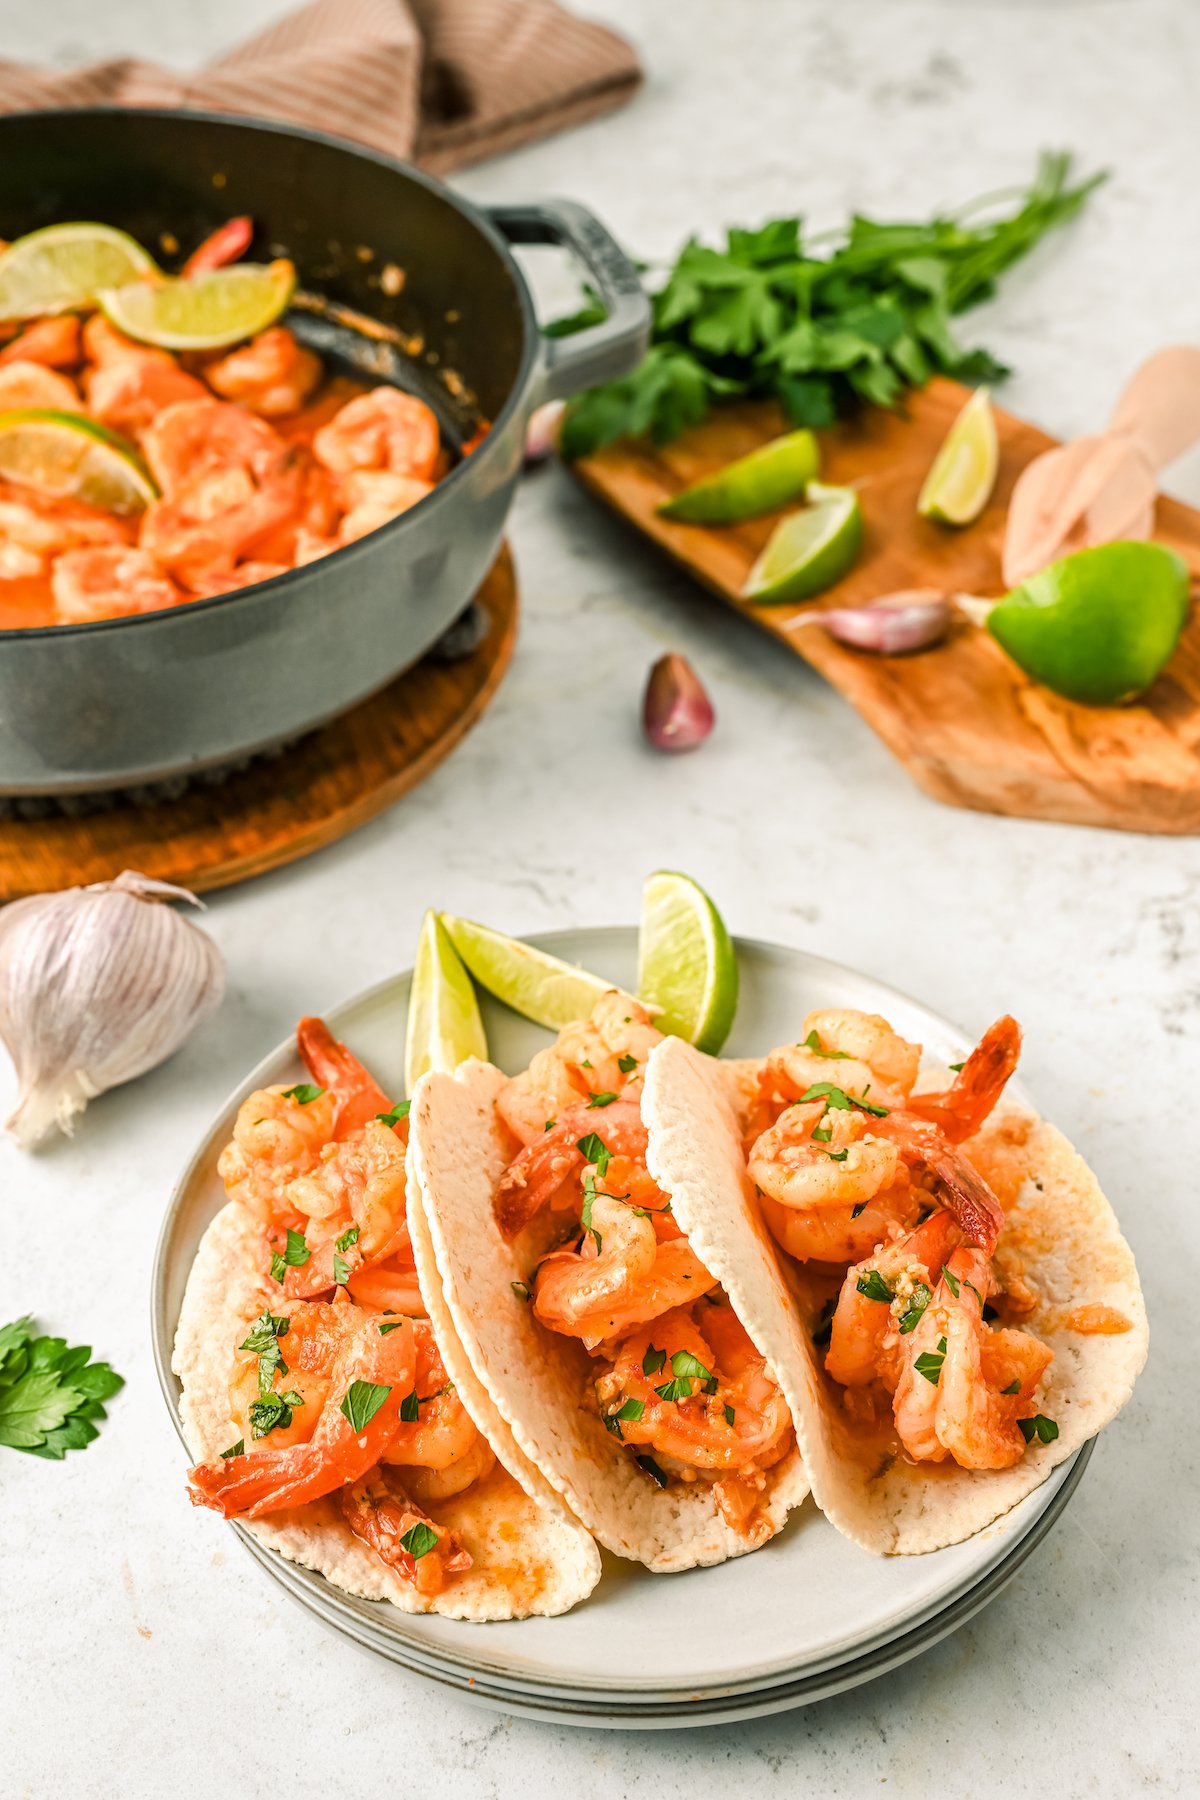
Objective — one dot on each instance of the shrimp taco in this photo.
(327, 1406)
(932, 1266)
(627, 1373)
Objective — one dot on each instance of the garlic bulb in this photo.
(97, 985)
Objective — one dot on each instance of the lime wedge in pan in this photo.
(201, 312)
(67, 456)
(64, 266)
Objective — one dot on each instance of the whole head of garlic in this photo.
(97, 985)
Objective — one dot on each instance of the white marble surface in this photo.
(142, 1654)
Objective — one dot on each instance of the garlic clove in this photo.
(677, 714)
(97, 985)
(541, 433)
(913, 619)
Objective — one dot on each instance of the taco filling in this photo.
(344, 1423)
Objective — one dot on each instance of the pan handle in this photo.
(601, 352)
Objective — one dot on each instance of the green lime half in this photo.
(960, 483)
(202, 312)
(67, 456)
(773, 476)
(536, 985)
(686, 963)
(809, 550)
(63, 266)
(1097, 626)
(444, 1026)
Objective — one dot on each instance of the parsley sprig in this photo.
(49, 1395)
(864, 319)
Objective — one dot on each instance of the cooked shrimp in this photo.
(216, 518)
(380, 1512)
(276, 1137)
(444, 1432)
(843, 1234)
(949, 1399)
(130, 383)
(543, 1166)
(428, 1485)
(266, 1481)
(867, 1334)
(962, 1109)
(271, 375)
(385, 429)
(195, 436)
(247, 574)
(585, 1060)
(107, 582)
(33, 384)
(54, 342)
(859, 1053)
(597, 1294)
(357, 1094)
(846, 1168)
(34, 528)
(373, 497)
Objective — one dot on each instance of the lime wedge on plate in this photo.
(809, 550)
(63, 266)
(960, 483)
(444, 1026)
(758, 483)
(686, 963)
(536, 985)
(201, 312)
(67, 456)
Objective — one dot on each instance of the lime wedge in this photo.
(686, 963)
(758, 483)
(205, 311)
(809, 550)
(959, 485)
(63, 266)
(444, 1026)
(67, 456)
(536, 985)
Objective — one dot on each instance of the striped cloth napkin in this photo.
(441, 83)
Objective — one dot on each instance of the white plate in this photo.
(807, 1603)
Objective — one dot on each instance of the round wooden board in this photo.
(323, 786)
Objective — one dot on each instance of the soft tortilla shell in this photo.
(1060, 1233)
(535, 1378)
(529, 1557)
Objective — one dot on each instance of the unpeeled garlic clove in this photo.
(910, 620)
(677, 713)
(97, 985)
(541, 433)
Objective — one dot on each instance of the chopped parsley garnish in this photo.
(49, 1395)
(821, 1137)
(601, 1099)
(305, 1093)
(238, 1449)
(593, 1150)
(267, 1328)
(860, 1208)
(520, 1289)
(294, 1257)
(398, 1112)
(840, 1100)
(958, 1067)
(824, 1331)
(627, 1064)
(653, 1361)
(550, 1124)
(613, 1426)
(874, 1287)
(347, 1238)
(975, 1291)
(837, 1155)
(632, 1410)
(410, 1408)
(651, 1467)
(950, 1280)
(684, 1363)
(812, 1042)
(419, 1540)
(392, 1325)
(730, 1415)
(679, 1389)
(929, 1363)
(341, 1269)
(589, 1197)
(585, 1065)
(362, 1400)
(918, 1300)
(272, 1410)
(1014, 1387)
(1040, 1427)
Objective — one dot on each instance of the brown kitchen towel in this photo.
(440, 82)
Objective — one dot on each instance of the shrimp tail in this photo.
(264, 1481)
(223, 246)
(963, 1108)
(331, 1065)
(967, 1198)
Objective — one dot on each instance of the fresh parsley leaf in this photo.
(957, 1067)
(550, 1124)
(612, 1425)
(730, 1415)
(950, 1280)
(410, 1408)
(860, 1208)
(976, 1292)
(520, 1289)
(595, 1100)
(684, 1363)
(305, 1093)
(812, 1042)
(341, 1269)
(392, 1325)
(292, 1398)
(294, 1256)
(398, 1112)
(651, 1467)
(238, 1449)
(632, 1411)
(929, 1365)
(419, 1540)
(594, 1151)
(362, 1400)
(265, 1334)
(874, 1287)
(918, 1300)
(1039, 1426)
(1014, 1387)
(15, 1336)
(347, 1238)
(627, 1064)
(653, 1361)
(267, 1413)
(678, 1389)
(837, 1098)
(278, 1267)
(33, 1407)
(837, 1155)
(819, 1136)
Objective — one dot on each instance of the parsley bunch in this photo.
(49, 1395)
(766, 317)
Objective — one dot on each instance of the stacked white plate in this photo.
(806, 1616)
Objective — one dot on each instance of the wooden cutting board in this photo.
(278, 809)
(969, 727)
